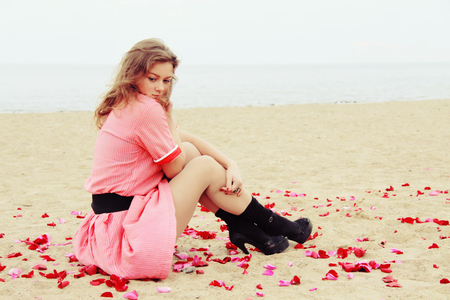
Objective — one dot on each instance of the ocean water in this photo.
(52, 88)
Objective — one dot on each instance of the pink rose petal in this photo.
(163, 289)
(270, 267)
(15, 273)
(259, 294)
(61, 221)
(434, 193)
(350, 275)
(131, 295)
(284, 283)
(268, 273)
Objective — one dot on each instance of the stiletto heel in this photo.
(275, 244)
(238, 240)
(274, 224)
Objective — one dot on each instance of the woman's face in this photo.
(157, 82)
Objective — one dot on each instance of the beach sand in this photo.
(337, 163)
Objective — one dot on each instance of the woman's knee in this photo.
(208, 164)
(191, 151)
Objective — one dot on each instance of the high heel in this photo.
(274, 225)
(242, 231)
(275, 244)
(304, 232)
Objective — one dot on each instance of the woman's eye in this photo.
(152, 79)
(167, 80)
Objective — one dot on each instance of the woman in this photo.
(148, 177)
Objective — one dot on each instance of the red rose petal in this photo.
(394, 284)
(444, 281)
(388, 279)
(29, 275)
(17, 254)
(91, 270)
(97, 282)
(359, 252)
(107, 295)
(259, 286)
(63, 284)
(435, 266)
(295, 280)
(45, 215)
(46, 257)
(433, 246)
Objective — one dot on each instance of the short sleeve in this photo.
(153, 133)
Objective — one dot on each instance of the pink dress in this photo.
(131, 147)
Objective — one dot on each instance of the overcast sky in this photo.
(225, 32)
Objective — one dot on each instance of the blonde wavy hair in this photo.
(136, 64)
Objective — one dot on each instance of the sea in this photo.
(61, 88)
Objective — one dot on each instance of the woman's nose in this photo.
(159, 86)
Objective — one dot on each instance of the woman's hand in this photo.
(234, 181)
(168, 107)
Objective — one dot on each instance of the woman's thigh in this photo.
(189, 185)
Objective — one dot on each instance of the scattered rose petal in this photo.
(313, 289)
(45, 215)
(331, 275)
(433, 246)
(29, 275)
(61, 221)
(268, 273)
(16, 254)
(284, 283)
(163, 289)
(444, 281)
(295, 280)
(394, 284)
(107, 295)
(259, 294)
(91, 270)
(359, 252)
(350, 275)
(259, 286)
(270, 267)
(63, 284)
(133, 295)
(15, 273)
(98, 281)
(435, 266)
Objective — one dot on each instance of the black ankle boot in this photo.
(242, 231)
(273, 224)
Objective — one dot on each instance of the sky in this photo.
(227, 32)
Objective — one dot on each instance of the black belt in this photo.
(109, 203)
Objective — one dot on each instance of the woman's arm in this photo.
(173, 168)
(234, 180)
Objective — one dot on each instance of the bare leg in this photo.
(203, 174)
(191, 153)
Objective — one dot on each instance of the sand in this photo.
(337, 163)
